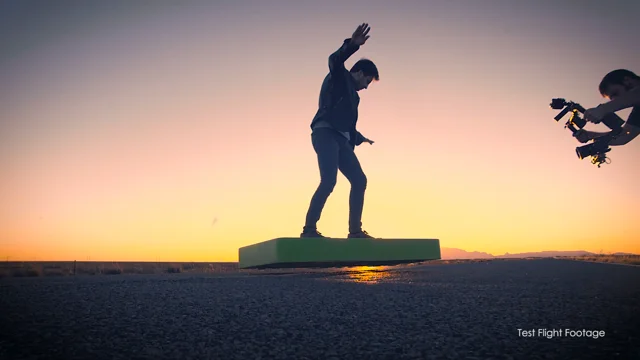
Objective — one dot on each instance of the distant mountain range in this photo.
(452, 253)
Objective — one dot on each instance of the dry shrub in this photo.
(54, 272)
(174, 269)
(27, 271)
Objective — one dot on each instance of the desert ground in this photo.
(449, 309)
(65, 268)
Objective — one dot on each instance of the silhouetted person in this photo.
(334, 135)
(622, 88)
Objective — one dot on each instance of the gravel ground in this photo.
(444, 311)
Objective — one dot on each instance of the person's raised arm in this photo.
(348, 48)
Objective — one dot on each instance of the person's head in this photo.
(618, 82)
(364, 71)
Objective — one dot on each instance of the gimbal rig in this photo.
(600, 146)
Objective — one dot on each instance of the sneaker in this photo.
(311, 234)
(360, 235)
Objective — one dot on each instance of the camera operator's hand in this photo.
(583, 135)
(595, 114)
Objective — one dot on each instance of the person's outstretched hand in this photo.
(368, 141)
(360, 36)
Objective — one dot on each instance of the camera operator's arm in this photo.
(630, 129)
(626, 100)
(629, 132)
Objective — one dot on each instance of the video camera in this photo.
(600, 146)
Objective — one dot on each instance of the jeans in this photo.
(335, 153)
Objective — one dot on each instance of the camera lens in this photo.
(584, 151)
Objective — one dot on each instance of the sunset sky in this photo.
(141, 131)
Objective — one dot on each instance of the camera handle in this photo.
(574, 122)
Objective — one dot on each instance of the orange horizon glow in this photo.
(164, 133)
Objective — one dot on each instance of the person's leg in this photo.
(350, 167)
(327, 149)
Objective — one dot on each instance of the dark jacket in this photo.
(338, 104)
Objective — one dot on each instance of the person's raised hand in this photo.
(360, 36)
(369, 141)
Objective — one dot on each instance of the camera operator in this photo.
(622, 88)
